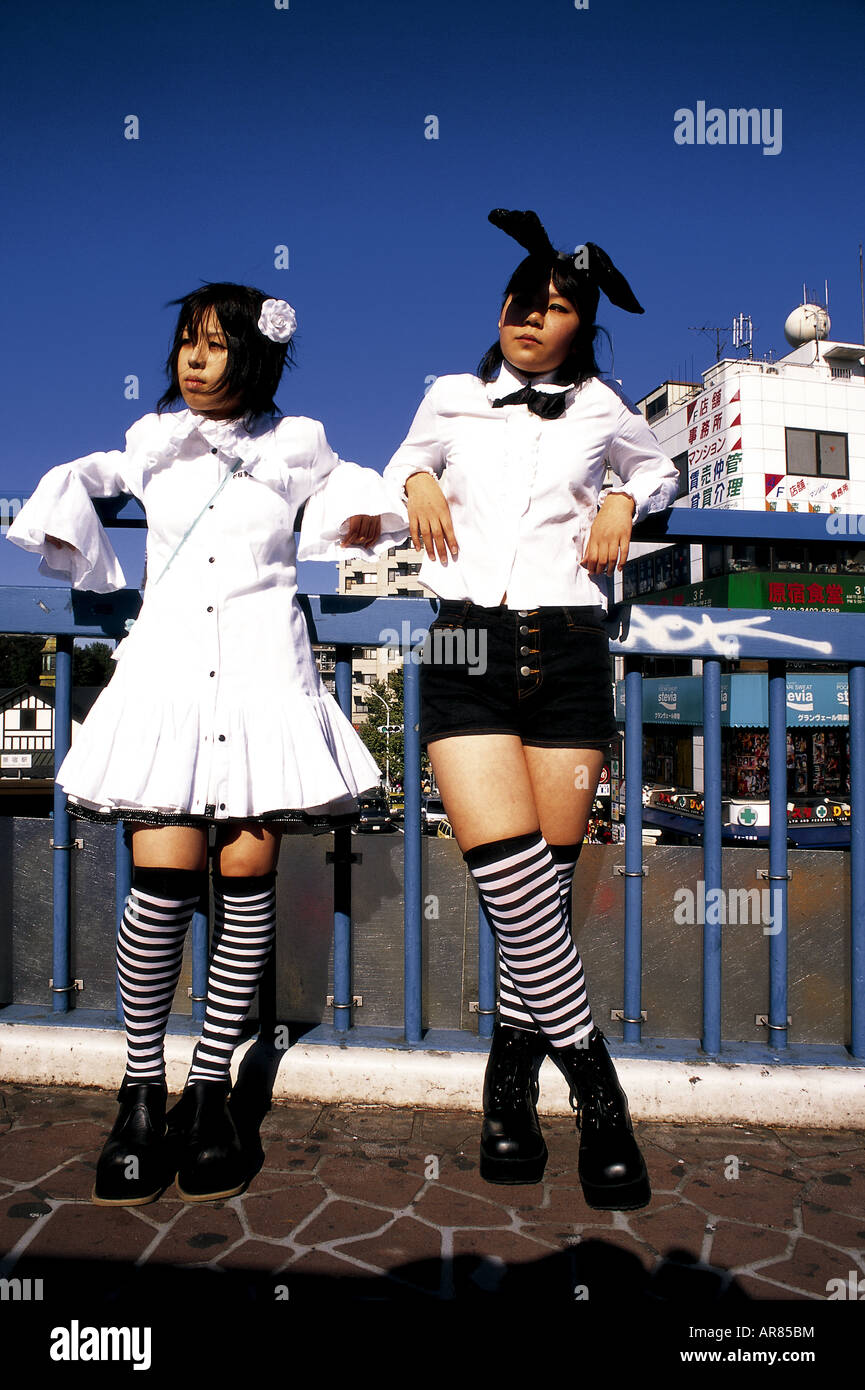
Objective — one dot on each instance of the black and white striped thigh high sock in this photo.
(512, 1011)
(149, 956)
(245, 920)
(519, 886)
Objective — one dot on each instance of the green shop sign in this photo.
(823, 593)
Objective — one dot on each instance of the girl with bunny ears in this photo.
(502, 475)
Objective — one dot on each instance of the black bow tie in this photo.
(547, 404)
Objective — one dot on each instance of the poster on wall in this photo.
(799, 494)
(715, 449)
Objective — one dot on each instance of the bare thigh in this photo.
(247, 850)
(241, 850)
(168, 847)
(494, 787)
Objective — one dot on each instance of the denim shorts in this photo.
(543, 674)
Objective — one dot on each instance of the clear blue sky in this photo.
(305, 126)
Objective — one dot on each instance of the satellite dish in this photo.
(806, 324)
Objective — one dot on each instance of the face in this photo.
(201, 365)
(536, 330)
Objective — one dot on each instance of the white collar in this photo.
(510, 379)
(229, 437)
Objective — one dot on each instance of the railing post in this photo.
(200, 954)
(777, 854)
(486, 975)
(633, 963)
(62, 849)
(342, 995)
(711, 1040)
(856, 694)
(413, 887)
(122, 887)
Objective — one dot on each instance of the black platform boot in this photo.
(611, 1168)
(203, 1137)
(133, 1166)
(512, 1146)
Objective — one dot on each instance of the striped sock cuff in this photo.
(495, 850)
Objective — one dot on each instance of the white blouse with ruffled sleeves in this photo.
(216, 708)
(523, 491)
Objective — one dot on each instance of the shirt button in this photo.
(523, 630)
(222, 738)
(214, 451)
(211, 560)
(210, 610)
(222, 805)
(525, 671)
(524, 651)
(213, 673)
(524, 612)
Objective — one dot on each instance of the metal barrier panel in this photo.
(636, 631)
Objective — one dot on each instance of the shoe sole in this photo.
(207, 1196)
(125, 1201)
(510, 1172)
(627, 1198)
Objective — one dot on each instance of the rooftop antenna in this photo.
(743, 334)
(707, 328)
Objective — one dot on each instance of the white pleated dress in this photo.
(216, 708)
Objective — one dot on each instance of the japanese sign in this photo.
(715, 449)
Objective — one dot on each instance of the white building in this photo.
(393, 574)
(758, 436)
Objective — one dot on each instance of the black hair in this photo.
(535, 273)
(255, 363)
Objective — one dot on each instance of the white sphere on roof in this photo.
(807, 323)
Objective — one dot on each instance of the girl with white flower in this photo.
(216, 715)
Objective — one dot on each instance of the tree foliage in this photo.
(92, 665)
(371, 733)
(21, 662)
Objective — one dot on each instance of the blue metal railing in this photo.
(637, 631)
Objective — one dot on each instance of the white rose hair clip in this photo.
(278, 320)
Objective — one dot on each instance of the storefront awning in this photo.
(812, 701)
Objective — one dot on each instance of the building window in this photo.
(368, 653)
(656, 407)
(816, 453)
(27, 720)
(746, 557)
(681, 462)
(713, 560)
(669, 568)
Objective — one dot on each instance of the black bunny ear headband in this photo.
(589, 262)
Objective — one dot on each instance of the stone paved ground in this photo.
(362, 1206)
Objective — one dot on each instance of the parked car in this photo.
(374, 817)
(432, 814)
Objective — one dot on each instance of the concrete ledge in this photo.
(683, 1091)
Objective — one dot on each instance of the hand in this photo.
(429, 517)
(363, 531)
(610, 535)
(62, 545)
